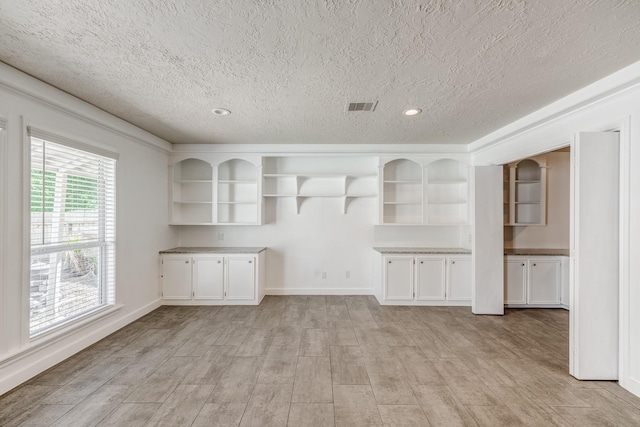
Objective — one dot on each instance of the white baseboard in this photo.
(631, 385)
(25, 364)
(319, 291)
(449, 303)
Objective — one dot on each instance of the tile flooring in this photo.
(324, 361)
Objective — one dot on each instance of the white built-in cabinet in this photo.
(525, 192)
(212, 279)
(535, 281)
(191, 192)
(419, 279)
(423, 192)
(214, 191)
(238, 199)
(299, 178)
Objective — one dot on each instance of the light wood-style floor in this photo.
(324, 361)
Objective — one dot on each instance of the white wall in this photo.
(609, 104)
(321, 239)
(555, 234)
(142, 228)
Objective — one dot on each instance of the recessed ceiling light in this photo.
(221, 111)
(412, 111)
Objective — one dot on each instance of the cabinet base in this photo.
(210, 302)
(565, 307)
(455, 303)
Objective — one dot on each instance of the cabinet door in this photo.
(176, 278)
(430, 279)
(398, 278)
(240, 277)
(208, 278)
(515, 281)
(544, 281)
(459, 278)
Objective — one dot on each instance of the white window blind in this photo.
(72, 233)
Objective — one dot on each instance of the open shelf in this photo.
(331, 178)
(402, 195)
(191, 192)
(447, 192)
(238, 198)
(526, 199)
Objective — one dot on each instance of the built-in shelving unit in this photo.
(527, 192)
(191, 192)
(447, 192)
(402, 193)
(302, 178)
(415, 194)
(237, 197)
(204, 193)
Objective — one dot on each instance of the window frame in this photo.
(105, 243)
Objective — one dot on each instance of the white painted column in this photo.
(595, 264)
(488, 263)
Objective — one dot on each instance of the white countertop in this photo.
(213, 250)
(435, 251)
(536, 252)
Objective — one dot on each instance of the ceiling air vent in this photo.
(361, 106)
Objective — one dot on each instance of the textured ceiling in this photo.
(286, 69)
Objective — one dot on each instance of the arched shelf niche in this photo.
(402, 193)
(191, 192)
(527, 192)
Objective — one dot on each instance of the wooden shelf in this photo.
(459, 202)
(193, 181)
(526, 196)
(303, 178)
(318, 175)
(193, 202)
(447, 181)
(402, 203)
(236, 203)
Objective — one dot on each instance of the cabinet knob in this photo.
(219, 261)
(421, 262)
(250, 262)
(186, 262)
(535, 264)
(389, 262)
(523, 264)
(453, 262)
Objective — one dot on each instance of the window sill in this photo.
(48, 338)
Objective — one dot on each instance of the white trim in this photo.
(4, 249)
(625, 327)
(324, 149)
(78, 143)
(319, 291)
(45, 360)
(25, 275)
(16, 81)
(50, 337)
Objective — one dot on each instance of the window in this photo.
(72, 233)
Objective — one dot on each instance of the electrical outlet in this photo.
(220, 236)
(324, 274)
(347, 274)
